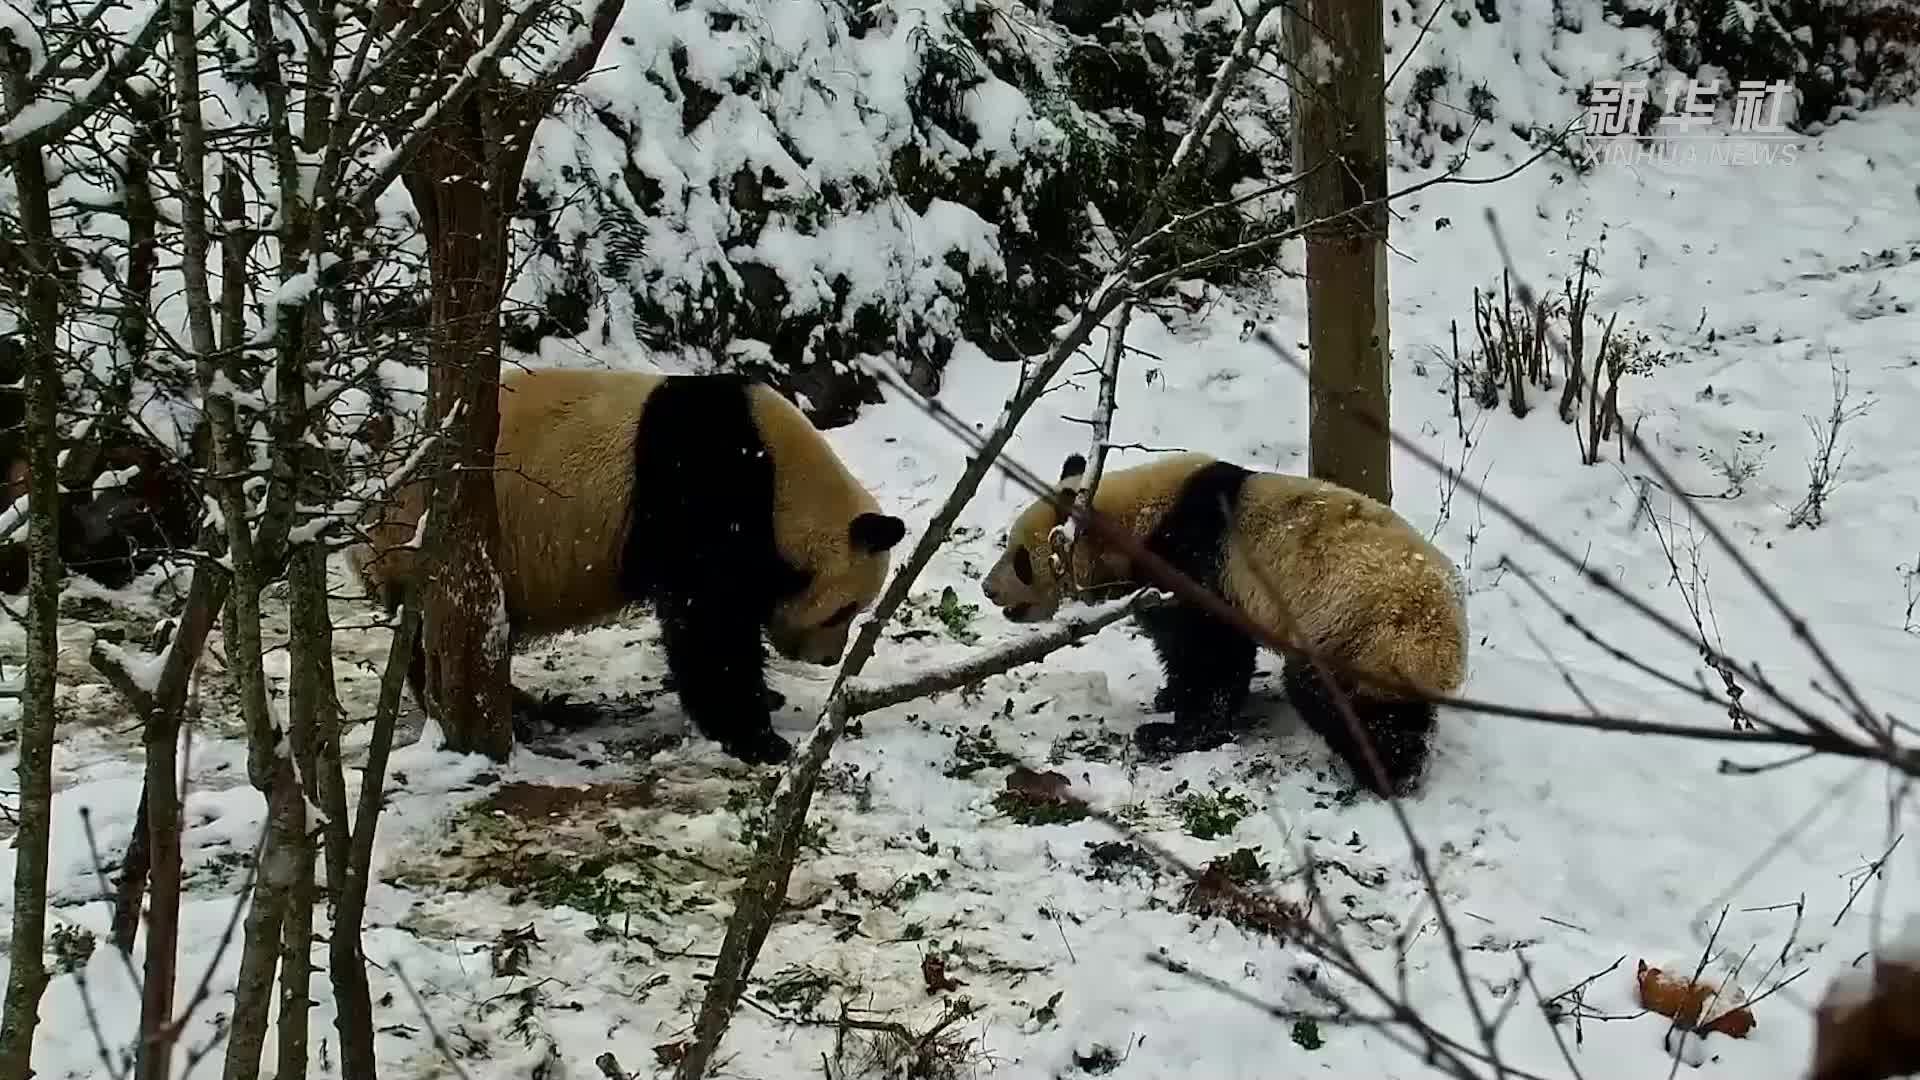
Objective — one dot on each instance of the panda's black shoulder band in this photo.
(702, 498)
(1192, 534)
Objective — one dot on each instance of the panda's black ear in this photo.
(1074, 468)
(876, 532)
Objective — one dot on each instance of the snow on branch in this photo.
(375, 489)
(478, 70)
(1187, 154)
(45, 120)
(858, 697)
(1061, 540)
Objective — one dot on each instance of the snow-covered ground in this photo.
(534, 920)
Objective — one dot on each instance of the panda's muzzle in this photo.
(1021, 613)
(821, 650)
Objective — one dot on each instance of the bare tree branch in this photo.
(42, 122)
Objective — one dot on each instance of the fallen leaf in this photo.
(670, 1053)
(1683, 1000)
(933, 970)
(1038, 786)
(511, 950)
(1215, 895)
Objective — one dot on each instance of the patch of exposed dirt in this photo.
(536, 802)
(612, 848)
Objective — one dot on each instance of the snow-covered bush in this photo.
(781, 188)
(1841, 55)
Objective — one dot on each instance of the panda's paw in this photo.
(1160, 738)
(1163, 700)
(763, 747)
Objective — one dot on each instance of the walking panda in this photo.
(710, 497)
(1363, 589)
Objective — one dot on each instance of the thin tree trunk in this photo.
(1340, 122)
(312, 707)
(154, 852)
(161, 712)
(273, 881)
(27, 974)
(163, 810)
(296, 964)
(131, 890)
(155, 1057)
(268, 766)
(143, 256)
(353, 1002)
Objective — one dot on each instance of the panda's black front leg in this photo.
(1209, 668)
(719, 670)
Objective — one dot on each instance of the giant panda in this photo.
(709, 497)
(1366, 592)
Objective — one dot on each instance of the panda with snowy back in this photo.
(1362, 589)
(709, 497)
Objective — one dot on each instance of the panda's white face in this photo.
(1021, 584)
(847, 573)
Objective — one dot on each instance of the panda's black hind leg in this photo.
(1209, 668)
(1400, 731)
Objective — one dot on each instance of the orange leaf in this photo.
(1683, 1000)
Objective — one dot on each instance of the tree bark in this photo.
(350, 857)
(296, 965)
(312, 723)
(457, 181)
(154, 850)
(27, 974)
(463, 181)
(1340, 153)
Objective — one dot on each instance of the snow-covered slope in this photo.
(1578, 848)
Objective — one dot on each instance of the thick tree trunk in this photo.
(27, 974)
(456, 183)
(464, 180)
(1340, 151)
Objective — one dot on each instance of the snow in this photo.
(860, 250)
(1903, 949)
(1572, 847)
(17, 22)
(40, 113)
(143, 668)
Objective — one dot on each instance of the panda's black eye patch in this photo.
(842, 615)
(1023, 566)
